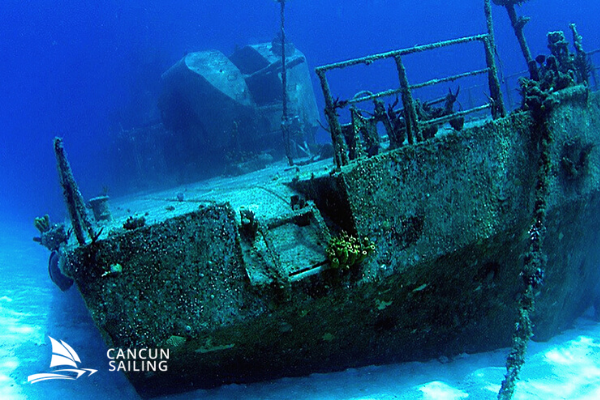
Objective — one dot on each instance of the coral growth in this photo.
(427, 112)
(51, 235)
(249, 226)
(134, 223)
(346, 251)
(42, 224)
(560, 70)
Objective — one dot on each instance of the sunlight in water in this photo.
(437, 390)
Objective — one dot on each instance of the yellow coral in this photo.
(346, 251)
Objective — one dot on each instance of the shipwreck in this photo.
(432, 239)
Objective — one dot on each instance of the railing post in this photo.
(337, 139)
(498, 109)
(410, 111)
(518, 23)
(382, 116)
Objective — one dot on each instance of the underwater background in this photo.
(86, 70)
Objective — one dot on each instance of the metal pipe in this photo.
(416, 49)
(285, 126)
(337, 139)
(410, 110)
(489, 44)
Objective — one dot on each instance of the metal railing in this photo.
(347, 139)
(594, 81)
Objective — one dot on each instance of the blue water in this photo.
(83, 69)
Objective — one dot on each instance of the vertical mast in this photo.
(285, 126)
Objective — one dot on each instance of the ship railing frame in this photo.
(595, 84)
(345, 150)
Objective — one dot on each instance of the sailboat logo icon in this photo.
(62, 355)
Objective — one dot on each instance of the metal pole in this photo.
(498, 109)
(410, 111)
(337, 139)
(72, 196)
(285, 126)
(518, 23)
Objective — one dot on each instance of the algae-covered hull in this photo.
(232, 275)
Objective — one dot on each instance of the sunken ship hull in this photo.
(234, 278)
